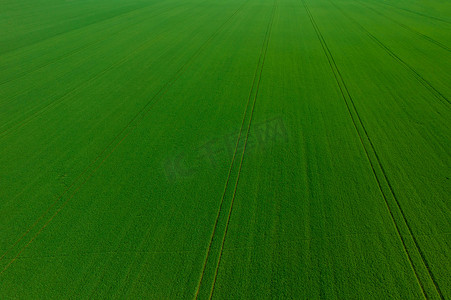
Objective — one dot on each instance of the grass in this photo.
(239, 149)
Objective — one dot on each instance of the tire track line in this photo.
(255, 86)
(414, 12)
(226, 185)
(244, 150)
(377, 164)
(116, 141)
(148, 232)
(417, 75)
(428, 38)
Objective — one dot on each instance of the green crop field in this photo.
(238, 149)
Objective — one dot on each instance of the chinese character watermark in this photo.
(261, 136)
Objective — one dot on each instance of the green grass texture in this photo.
(239, 149)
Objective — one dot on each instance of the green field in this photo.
(240, 149)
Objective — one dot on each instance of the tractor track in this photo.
(375, 164)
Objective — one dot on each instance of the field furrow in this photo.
(246, 149)
(212, 261)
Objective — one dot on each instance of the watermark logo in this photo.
(261, 137)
